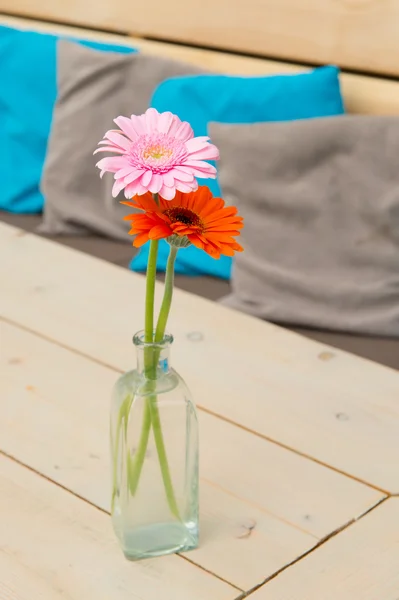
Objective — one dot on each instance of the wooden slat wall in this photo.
(363, 94)
(356, 34)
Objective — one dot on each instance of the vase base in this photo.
(159, 539)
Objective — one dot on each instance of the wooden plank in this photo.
(54, 545)
(112, 16)
(261, 505)
(335, 407)
(327, 32)
(361, 563)
(362, 94)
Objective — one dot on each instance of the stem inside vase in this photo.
(152, 350)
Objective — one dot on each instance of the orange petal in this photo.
(145, 202)
(230, 249)
(222, 215)
(237, 247)
(212, 251)
(128, 217)
(144, 225)
(140, 240)
(219, 237)
(196, 241)
(159, 231)
(138, 218)
(134, 204)
(217, 204)
(227, 250)
(230, 229)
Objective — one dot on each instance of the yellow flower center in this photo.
(157, 152)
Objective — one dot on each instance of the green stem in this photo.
(150, 293)
(155, 417)
(135, 466)
(167, 298)
(163, 459)
(151, 412)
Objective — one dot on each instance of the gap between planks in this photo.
(243, 594)
(323, 541)
(106, 512)
(201, 408)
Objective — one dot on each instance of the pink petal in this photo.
(182, 175)
(151, 119)
(117, 187)
(168, 193)
(146, 178)
(122, 173)
(208, 152)
(109, 149)
(168, 179)
(126, 125)
(195, 172)
(210, 175)
(141, 190)
(138, 125)
(186, 187)
(143, 120)
(207, 169)
(197, 143)
(111, 163)
(156, 183)
(131, 190)
(184, 132)
(104, 142)
(174, 127)
(165, 121)
(134, 188)
(134, 174)
(118, 139)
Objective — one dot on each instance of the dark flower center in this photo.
(183, 215)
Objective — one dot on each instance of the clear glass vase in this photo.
(154, 453)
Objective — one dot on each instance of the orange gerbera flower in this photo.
(198, 217)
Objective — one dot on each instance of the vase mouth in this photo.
(139, 340)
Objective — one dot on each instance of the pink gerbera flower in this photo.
(159, 154)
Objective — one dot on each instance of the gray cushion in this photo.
(93, 88)
(320, 199)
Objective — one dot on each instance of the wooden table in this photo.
(299, 446)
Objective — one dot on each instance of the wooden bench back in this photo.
(360, 35)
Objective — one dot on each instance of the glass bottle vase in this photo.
(154, 457)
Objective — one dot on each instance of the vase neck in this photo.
(153, 358)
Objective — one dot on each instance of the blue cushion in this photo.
(189, 261)
(27, 96)
(200, 99)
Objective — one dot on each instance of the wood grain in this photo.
(362, 94)
(261, 506)
(361, 563)
(342, 411)
(332, 31)
(54, 545)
